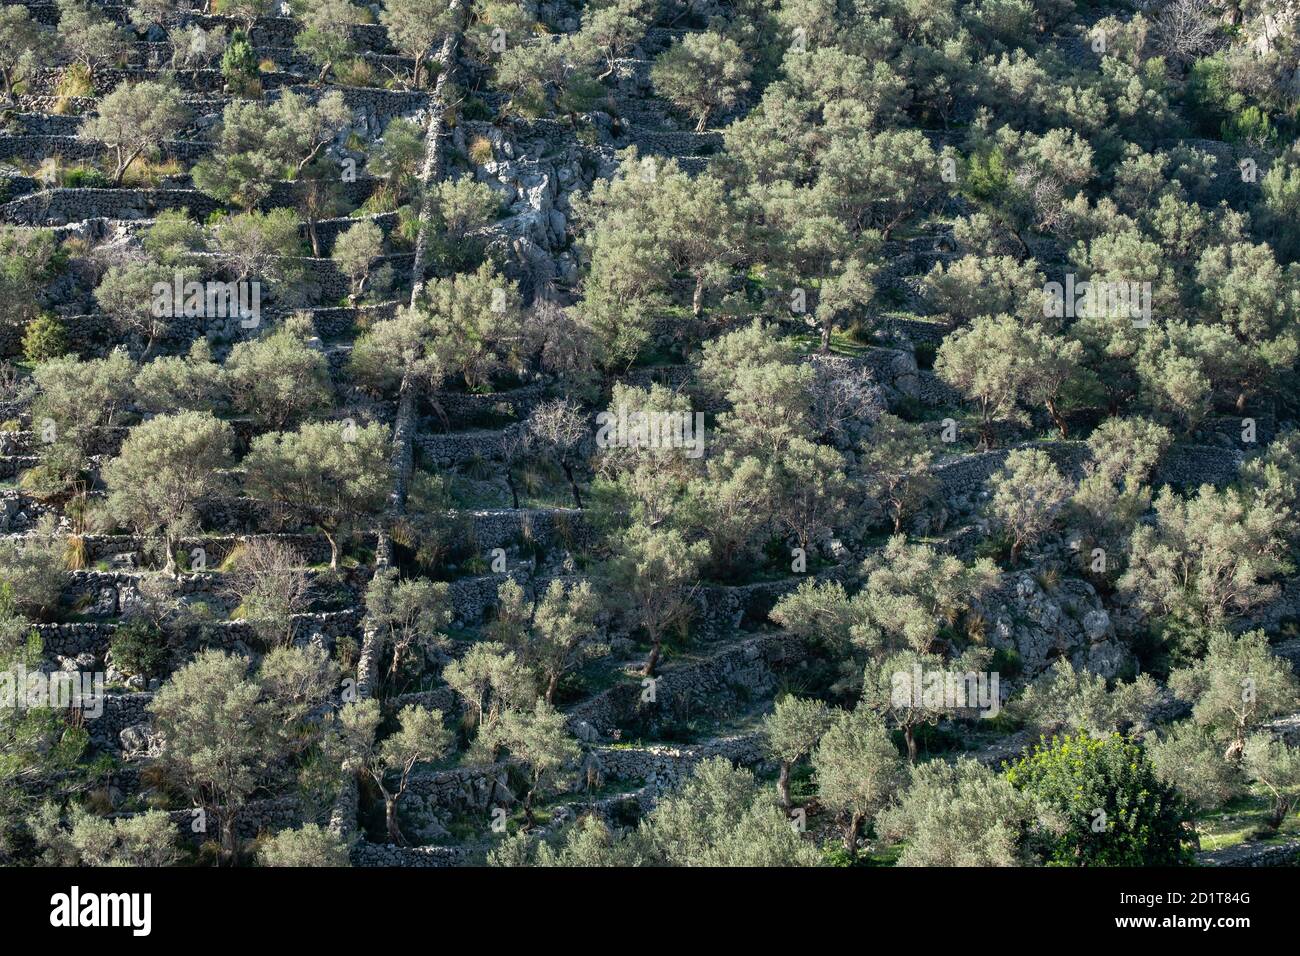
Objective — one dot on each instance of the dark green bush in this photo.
(139, 648)
(44, 339)
(1102, 803)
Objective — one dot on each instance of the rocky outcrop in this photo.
(1040, 625)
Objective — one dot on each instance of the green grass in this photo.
(888, 856)
(843, 342)
(1243, 820)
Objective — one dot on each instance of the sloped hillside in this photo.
(771, 432)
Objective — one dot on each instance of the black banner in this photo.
(346, 905)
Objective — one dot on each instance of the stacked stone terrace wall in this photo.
(506, 527)
(666, 766)
(34, 147)
(60, 206)
(1183, 466)
(44, 82)
(120, 712)
(256, 818)
(463, 410)
(365, 853)
(101, 547)
(77, 638)
(711, 686)
(1253, 855)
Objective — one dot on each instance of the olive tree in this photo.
(792, 731)
(549, 74)
(490, 679)
(398, 157)
(1187, 757)
(768, 388)
(248, 11)
(538, 738)
(959, 814)
(609, 30)
(822, 267)
(326, 34)
(126, 292)
(414, 26)
(307, 846)
(227, 730)
(1066, 699)
(1275, 766)
(278, 378)
(318, 195)
(896, 461)
(355, 252)
(910, 711)
(475, 318)
(74, 400)
(857, 770)
(1029, 494)
(134, 120)
(33, 570)
(257, 144)
(409, 615)
(654, 569)
(24, 44)
(395, 355)
(554, 635)
(166, 466)
(193, 382)
(458, 208)
(646, 481)
(89, 37)
(174, 238)
(421, 737)
(1112, 496)
(1255, 298)
(1000, 363)
(649, 221)
(1206, 556)
(262, 246)
(1235, 687)
(702, 73)
(810, 491)
(145, 839)
(195, 48)
(149, 13)
(588, 842)
(913, 599)
(332, 474)
(979, 286)
(874, 181)
(563, 626)
(29, 260)
(722, 816)
(913, 592)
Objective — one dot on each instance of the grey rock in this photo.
(140, 740)
(1096, 624)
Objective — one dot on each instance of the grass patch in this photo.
(74, 83)
(147, 173)
(1244, 820)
